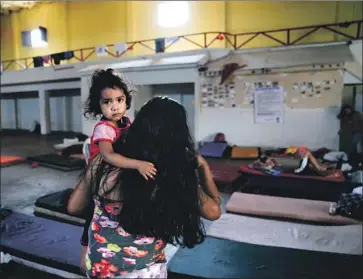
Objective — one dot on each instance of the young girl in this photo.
(110, 97)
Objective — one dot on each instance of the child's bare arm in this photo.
(146, 169)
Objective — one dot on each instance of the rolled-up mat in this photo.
(59, 162)
(285, 208)
(42, 241)
(214, 149)
(220, 258)
(239, 152)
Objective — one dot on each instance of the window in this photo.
(172, 14)
(37, 38)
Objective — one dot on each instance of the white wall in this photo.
(314, 128)
(8, 114)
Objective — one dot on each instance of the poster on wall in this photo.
(221, 96)
(269, 105)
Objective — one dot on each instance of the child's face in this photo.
(113, 104)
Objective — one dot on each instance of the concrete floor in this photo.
(21, 184)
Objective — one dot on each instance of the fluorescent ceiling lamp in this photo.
(181, 59)
(132, 64)
(37, 38)
(172, 14)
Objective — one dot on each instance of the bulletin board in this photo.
(214, 95)
(309, 89)
(314, 90)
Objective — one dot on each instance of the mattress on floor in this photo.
(335, 176)
(42, 241)
(240, 152)
(10, 160)
(220, 258)
(57, 216)
(55, 201)
(345, 239)
(77, 156)
(295, 186)
(54, 206)
(285, 208)
(224, 173)
(53, 160)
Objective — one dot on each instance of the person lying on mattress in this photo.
(134, 218)
(267, 165)
(309, 165)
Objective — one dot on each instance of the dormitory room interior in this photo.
(234, 127)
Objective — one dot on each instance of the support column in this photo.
(17, 116)
(44, 108)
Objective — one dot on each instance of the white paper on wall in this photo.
(269, 105)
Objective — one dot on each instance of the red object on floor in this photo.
(34, 164)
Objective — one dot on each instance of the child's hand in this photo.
(147, 170)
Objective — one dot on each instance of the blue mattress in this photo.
(42, 241)
(220, 258)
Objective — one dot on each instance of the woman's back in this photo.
(133, 218)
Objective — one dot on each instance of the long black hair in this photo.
(167, 207)
(102, 79)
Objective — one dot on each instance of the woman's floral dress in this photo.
(112, 252)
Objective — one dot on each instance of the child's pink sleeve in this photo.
(104, 132)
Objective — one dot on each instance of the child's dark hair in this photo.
(101, 80)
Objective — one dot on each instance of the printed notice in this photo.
(269, 105)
